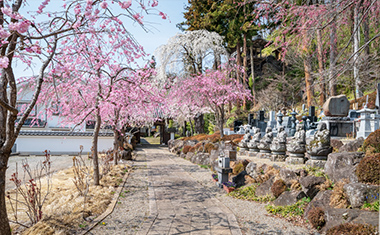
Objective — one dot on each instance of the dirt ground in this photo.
(60, 162)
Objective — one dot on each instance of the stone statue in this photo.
(246, 139)
(265, 142)
(279, 142)
(298, 141)
(320, 147)
(278, 146)
(255, 141)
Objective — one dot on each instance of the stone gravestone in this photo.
(272, 119)
(261, 122)
(336, 110)
(237, 125)
(336, 106)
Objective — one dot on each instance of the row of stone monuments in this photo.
(275, 148)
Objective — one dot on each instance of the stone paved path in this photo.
(179, 204)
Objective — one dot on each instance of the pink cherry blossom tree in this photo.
(30, 33)
(209, 92)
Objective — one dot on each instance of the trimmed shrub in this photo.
(186, 149)
(371, 144)
(368, 169)
(278, 188)
(208, 147)
(198, 147)
(353, 229)
(316, 217)
(237, 168)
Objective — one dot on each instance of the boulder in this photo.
(341, 166)
(175, 146)
(336, 106)
(322, 199)
(264, 189)
(288, 198)
(336, 216)
(251, 170)
(359, 193)
(352, 146)
(214, 159)
(190, 142)
(336, 144)
(189, 155)
(239, 180)
(201, 159)
(287, 175)
(300, 172)
(309, 184)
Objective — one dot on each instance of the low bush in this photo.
(368, 169)
(248, 193)
(371, 144)
(374, 206)
(278, 187)
(316, 217)
(352, 229)
(296, 209)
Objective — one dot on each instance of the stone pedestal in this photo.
(316, 163)
(295, 160)
(278, 157)
(252, 154)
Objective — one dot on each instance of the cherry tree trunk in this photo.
(220, 118)
(356, 37)
(252, 75)
(308, 80)
(199, 124)
(333, 50)
(4, 222)
(322, 95)
(238, 62)
(95, 138)
(116, 145)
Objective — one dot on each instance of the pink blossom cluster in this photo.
(42, 6)
(125, 4)
(21, 26)
(4, 61)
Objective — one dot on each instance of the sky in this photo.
(159, 30)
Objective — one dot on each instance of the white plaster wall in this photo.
(36, 145)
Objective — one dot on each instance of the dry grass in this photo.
(339, 198)
(63, 211)
(295, 185)
(326, 185)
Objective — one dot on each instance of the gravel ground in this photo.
(251, 216)
(132, 208)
